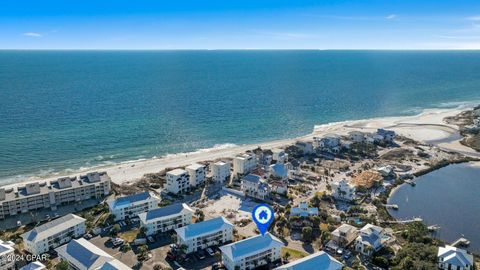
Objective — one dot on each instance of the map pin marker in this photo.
(262, 216)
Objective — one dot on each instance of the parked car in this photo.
(210, 252)
(200, 254)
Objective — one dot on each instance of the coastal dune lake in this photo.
(65, 110)
(449, 198)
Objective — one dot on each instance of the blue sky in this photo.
(246, 24)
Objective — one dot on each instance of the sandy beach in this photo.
(427, 127)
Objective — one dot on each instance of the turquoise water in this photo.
(63, 110)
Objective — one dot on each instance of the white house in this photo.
(453, 258)
(329, 142)
(177, 181)
(254, 186)
(245, 163)
(212, 232)
(132, 205)
(343, 190)
(166, 218)
(370, 239)
(302, 210)
(83, 255)
(356, 136)
(320, 260)
(344, 235)
(279, 155)
(220, 171)
(278, 170)
(279, 187)
(197, 174)
(36, 265)
(387, 135)
(306, 147)
(251, 252)
(54, 233)
(7, 252)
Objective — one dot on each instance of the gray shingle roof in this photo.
(53, 227)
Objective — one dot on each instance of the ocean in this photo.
(65, 110)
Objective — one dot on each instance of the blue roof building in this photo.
(166, 218)
(252, 252)
(83, 255)
(132, 205)
(318, 261)
(204, 234)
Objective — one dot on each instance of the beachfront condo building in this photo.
(220, 171)
(343, 190)
(197, 174)
(254, 186)
(166, 218)
(83, 255)
(132, 205)
(54, 233)
(450, 257)
(7, 252)
(202, 235)
(245, 163)
(252, 252)
(305, 146)
(35, 265)
(41, 195)
(177, 181)
(319, 260)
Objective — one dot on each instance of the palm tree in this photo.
(286, 256)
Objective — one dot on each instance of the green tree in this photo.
(307, 234)
(63, 265)
(115, 230)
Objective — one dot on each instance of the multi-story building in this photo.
(36, 265)
(344, 235)
(245, 163)
(278, 171)
(197, 174)
(220, 171)
(54, 233)
(254, 186)
(320, 260)
(7, 251)
(302, 210)
(166, 218)
(40, 195)
(370, 239)
(305, 146)
(83, 255)
(177, 181)
(452, 258)
(343, 190)
(279, 155)
(213, 232)
(251, 252)
(132, 205)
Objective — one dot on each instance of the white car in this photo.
(210, 252)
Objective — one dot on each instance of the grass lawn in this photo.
(129, 236)
(294, 254)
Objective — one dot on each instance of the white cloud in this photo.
(474, 18)
(391, 17)
(32, 34)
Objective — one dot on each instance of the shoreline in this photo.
(433, 131)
